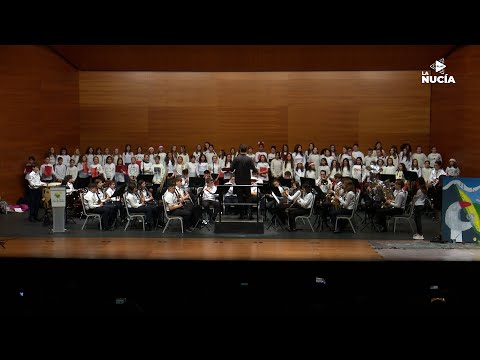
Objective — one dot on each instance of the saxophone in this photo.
(387, 194)
(335, 202)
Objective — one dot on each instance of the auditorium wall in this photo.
(38, 108)
(456, 111)
(153, 108)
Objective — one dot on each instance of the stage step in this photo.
(232, 224)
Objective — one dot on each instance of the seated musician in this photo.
(435, 174)
(230, 196)
(326, 188)
(302, 205)
(392, 207)
(175, 207)
(68, 182)
(347, 203)
(114, 201)
(136, 204)
(94, 204)
(278, 190)
(34, 192)
(291, 195)
(324, 183)
(254, 195)
(147, 194)
(209, 200)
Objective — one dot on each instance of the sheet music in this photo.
(276, 198)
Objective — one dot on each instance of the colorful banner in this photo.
(461, 209)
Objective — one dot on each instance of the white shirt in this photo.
(420, 158)
(400, 199)
(307, 201)
(70, 188)
(451, 171)
(72, 170)
(263, 165)
(91, 200)
(133, 201)
(60, 171)
(432, 157)
(34, 180)
(170, 199)
(436, 174)
(348, 200)
(133, 170)
(358, 154)
(209, 193)
(147, 168)
(158, 173)
(110, 171)
(127, 158)
(298, 158)
(420, 198)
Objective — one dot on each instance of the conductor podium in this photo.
(234, 224)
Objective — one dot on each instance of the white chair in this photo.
(170, 218)
(89, 215)
(349, 217)
(407, 216)
(307, 217)
(132, 216)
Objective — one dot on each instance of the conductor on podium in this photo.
(242, 166)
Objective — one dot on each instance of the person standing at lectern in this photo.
(242, 166)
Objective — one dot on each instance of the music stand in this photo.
(411, 175)
(119, 191)
(385, 177)
(276, 191)
(309, 181)
(286, 182)
(196, 182)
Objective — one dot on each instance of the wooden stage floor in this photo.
(189, 249)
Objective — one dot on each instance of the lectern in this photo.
(58, 199)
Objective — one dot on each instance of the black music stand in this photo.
(411, 175)
(309, 181)
(385, 177)
(196, 182)
(286, 182)
(119, 191)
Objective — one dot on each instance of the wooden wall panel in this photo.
(113, 126)
(38, 109)
(228, 108)
(456, 110)
(251, 57)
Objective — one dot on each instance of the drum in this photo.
(52, 184)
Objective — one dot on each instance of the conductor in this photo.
(242, 166)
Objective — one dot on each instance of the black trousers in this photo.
(145, 209)
(107, 214)
(34, 196)
(185, 214)
(293, 213)
(381, 215)
(243, 193)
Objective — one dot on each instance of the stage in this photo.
(203, 273)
